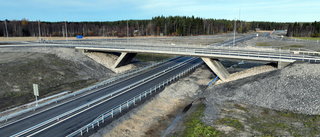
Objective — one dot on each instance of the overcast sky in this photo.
(113, 10)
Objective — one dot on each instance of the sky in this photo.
(114, 10)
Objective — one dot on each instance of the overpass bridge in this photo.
(210, 55)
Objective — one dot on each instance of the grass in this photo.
(241, 107)
(231, 122)
(195, 127)
(262, 44)
(274, 124)
(292, 46)
(152, 57)
(308, 38)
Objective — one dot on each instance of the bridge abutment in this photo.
(217, 68)
(124, 59)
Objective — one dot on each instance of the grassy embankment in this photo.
(255, 121)
(264, 44)
(308, 38)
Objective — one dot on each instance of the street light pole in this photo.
(127, 30)
(39, 31)
(5, 23)
(234, 32)
(65, 23)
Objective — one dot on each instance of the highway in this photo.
(65, 127)
(237, 40)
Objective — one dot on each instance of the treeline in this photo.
(304, 29)
(167, 26)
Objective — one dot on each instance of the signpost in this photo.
(36, 92)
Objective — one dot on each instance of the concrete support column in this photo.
(124, 59)
(82, 50)
(217, 68)
(283, 64)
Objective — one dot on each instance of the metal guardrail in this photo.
(126, 104)
(83, 90)
(103, 98)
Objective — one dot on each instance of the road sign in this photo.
(79, 36)
(35, 90)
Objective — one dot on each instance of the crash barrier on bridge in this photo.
(55, 120)
(126, 104)
(117, 77)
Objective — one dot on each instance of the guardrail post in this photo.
(102, 118)
(87, 129)
(112, 113)
(92, 125)
(98, 123)
(120, 108)
(145, 94)
(81, 132)
(134, 100)
(127, 104)
(150, 91)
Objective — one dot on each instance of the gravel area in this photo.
(294, 88)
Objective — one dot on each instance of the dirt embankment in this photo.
(54, 69)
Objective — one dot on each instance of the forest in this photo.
(160, 25)
(304, 29)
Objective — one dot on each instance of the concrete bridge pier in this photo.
(124, 59)
(216, 66)
(283, 64)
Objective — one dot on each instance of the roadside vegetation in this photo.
(285, 123)
(310, 38)
(292, 46)
(258, 121)
(264, 44)
(195, 127)
(241, 120)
